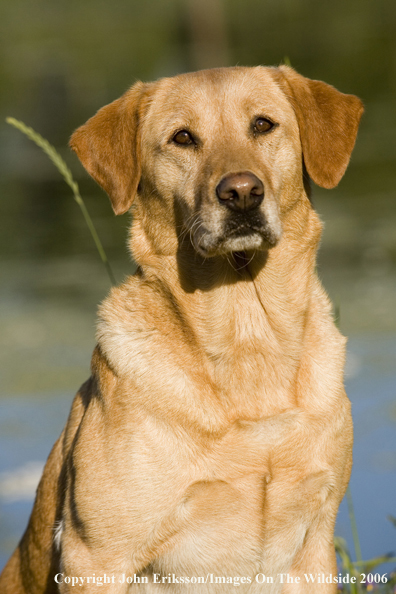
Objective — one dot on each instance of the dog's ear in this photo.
(108, 146)
(328, 122)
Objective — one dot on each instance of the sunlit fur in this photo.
(214, 435)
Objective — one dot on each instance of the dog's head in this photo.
(219, 155)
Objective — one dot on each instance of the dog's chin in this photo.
(209, 245)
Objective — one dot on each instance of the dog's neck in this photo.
(238, 298)
(238, 322)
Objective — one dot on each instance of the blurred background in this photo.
(59, 62)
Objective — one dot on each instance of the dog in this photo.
(212, 444)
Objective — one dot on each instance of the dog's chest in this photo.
(224, 343)
(254, 383)
(248, 358)
(222, 536)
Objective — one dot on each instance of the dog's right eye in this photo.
(183, 137)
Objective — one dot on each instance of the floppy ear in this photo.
(108, 146)
(328, 122)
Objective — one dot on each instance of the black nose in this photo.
(240, 191)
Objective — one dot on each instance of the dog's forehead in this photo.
(218, 92)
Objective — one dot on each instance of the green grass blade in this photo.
(392, 520)
(352, 519)
(347, 564)
(63, 169)
(367, 566)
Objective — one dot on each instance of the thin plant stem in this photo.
(352, 519)
(63, 169)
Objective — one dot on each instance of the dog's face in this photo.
(218, 154)
(227, 150)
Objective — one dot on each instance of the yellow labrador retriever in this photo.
(212, 444)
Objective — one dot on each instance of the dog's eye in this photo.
(262, 125)
(183, 137)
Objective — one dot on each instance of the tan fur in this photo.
(214, 436)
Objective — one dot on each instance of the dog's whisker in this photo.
(189, 225)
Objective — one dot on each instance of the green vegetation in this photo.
(63, 169)
(368, 575)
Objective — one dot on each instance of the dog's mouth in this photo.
(243, 226)
(236, 236)
(234, 222)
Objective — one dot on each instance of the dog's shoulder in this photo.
(138, 328)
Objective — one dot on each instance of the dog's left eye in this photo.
(183, 137)
(262, 125)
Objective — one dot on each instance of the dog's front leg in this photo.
(86, 564)
(109, 551)
(299, 516)
(301, 503)
(305, 460)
